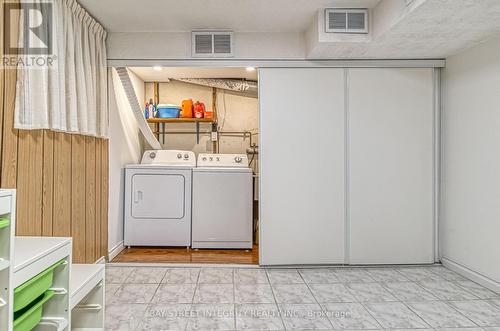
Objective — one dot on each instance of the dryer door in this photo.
(158, 196)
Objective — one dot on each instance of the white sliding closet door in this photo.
(302, 166)
(391, 166)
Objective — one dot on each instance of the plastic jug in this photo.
(199, 109)
(187, 108)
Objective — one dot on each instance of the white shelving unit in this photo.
(7, 228)
(32, 256)
(87, 297)
(78, 289)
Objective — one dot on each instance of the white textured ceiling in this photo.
(147, 74)
(435, 29)
(187, 15)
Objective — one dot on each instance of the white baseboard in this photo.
(182, 265)
(471, 274)
(101, 260)
(113, 252)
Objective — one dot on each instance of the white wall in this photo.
(177, 45)
(470, 219)
(125, 146)
(236, 113)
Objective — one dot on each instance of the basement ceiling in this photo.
(187, 15)
(435, 29)
(424, 29)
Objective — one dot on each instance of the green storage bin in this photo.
(4, 222)
(25, 293)
(29, 319)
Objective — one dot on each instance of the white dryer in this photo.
(158, 199)
(222, 202)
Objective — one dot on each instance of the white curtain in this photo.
(71, 95)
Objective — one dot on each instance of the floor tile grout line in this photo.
(275, 300)
(164, 275)
(469, 291)
(458, 310)
(369, 313)
(234, 298)
(404, 304)
(364, 307)
(326, 284)
(389, 268)
(407, 304)
(317, 302)
(446, 281)
(417, 284)
(426, 289)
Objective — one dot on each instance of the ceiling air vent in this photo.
(212, 43)
(346, 20)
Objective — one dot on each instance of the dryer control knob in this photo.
(204, 158)
(179, 156)
(211, 159)
(186, 156)
(152, 155)
(238, 159)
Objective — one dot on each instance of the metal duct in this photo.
(245, 87)
(136, 108)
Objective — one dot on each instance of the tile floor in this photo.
(425, 298)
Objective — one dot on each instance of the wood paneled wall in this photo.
(61, 179)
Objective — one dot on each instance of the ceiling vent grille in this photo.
(346, 20)
(212, 44)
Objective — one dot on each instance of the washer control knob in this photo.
(152, 155)
(204, 158)
(217, 158)
(179, 156)
(238, 159)
(186, 156)
(211, 158)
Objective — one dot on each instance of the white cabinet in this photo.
(346, 165)
(301, 166)
(391, 166)
(33, 256)
(87, 297)
(7, 228)
(37, 272)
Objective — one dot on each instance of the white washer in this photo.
(158, 199)
(222, 202)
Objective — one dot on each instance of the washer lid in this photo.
(169, 158)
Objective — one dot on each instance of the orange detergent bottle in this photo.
(187, 108)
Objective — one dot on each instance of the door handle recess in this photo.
(137, 196)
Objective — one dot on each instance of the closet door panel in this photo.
(390, 166)
(302, 166)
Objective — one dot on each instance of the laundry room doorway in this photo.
(212, 113)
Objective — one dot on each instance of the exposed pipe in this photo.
(136, 107)
(237, 134)
(244, 87)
